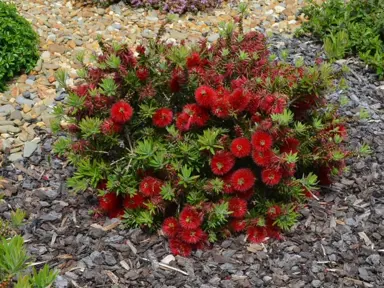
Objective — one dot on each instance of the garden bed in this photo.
(338, 240)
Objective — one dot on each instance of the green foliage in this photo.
(18, 44)
(14, 262)
(17, 217)
(349, 28)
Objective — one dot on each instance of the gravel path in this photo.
(337, 243)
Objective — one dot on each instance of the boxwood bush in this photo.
(18, 44)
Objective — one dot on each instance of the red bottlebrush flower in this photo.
(80, 146)
(183, 122)
(147, 92)
(261, 141)
(238, 207)
(239, 100)
(150, 186)
(342, 131)
(108, 127)
(267, 103)
(238, 83)
(324, 176)
(238, 131)
(95, 74)
(73, 128)
(162, 117)
(271, 176)
(241, 147)
(190, 219)
(109, 202)
(193, 60)
(178, 79)
(256, 234)
(142, 73)
(243, 179)
(205, 96)
(133, 202)
(198, 115)
(228, 189)
(140, 49)
(170, 227)
(116, 213)
(273, 232)
(238, 225)
(192, 236)
(81, 90)
(222, 162)
(121, 112)
(262, 159)
(273, 212)
(180, 248)
(290, 145)
(221, 108)
(256, 118)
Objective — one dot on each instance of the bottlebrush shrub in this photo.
(202, 142)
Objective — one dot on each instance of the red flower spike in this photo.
(150, 186)
(142, 73)
(170, 227)
(108, 127)
(246, 195)
(190, 219)
(256, 234)
(243, 179)
(198, 116)
(261, 141)
(133, 202)
(271, 176)
(221, 108)
(116, 213)
(180, 248)
(183, 122)
(238, 207)
(273, 212)
(192, 236)
(324, 176)
(228, 189)
(222, 162)
(121, 112)
(162, 117)
(238, 225)
(290, 146)
(241, 147)
(239, 100)
(193, 60)
(262, 159)
(109, 202)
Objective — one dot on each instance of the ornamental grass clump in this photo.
(201, 142)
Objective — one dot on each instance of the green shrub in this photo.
(201, 141)
(18, 44)
(354, 28)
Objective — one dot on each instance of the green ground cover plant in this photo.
(348, 28)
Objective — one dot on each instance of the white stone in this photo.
(279, 9)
